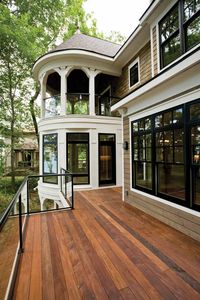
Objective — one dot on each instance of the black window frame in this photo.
(180, 32)
(131, 67)
(43, 146)
(185, 124)
(79, 142)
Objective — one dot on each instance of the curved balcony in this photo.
(78, 103)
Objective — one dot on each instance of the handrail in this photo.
(23, 221)
(5, 215)
(84, 94)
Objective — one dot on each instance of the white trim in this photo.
(130, 156)
(186, 98)
(136, 61)
(186, 64)
(152, 54)
(167, 203)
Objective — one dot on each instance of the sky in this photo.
(117, 15)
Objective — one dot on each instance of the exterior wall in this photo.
(122, 83)
(184, 88)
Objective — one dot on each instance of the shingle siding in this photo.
(122, 83)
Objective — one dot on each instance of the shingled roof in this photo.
(81, 41)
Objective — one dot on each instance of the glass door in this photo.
(107, 159)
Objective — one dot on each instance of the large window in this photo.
(78, 156)
(179, 30)
(50, 157)
(166, 154)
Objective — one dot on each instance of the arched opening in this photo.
(52, 99)
(78, 93)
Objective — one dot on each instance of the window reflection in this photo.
(50, 157)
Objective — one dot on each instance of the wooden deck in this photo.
(104, 250)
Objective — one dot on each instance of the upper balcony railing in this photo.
(103, 105)
(52, 106)
(79, 104)
(30, 198)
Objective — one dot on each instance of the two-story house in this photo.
(153, 83)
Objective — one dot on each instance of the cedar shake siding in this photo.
(155, 53)
(126, 158)
(122, 83)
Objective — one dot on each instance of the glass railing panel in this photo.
(103, 106)
(52, 106)
(78, 104)
(9, 239)
(48, 195)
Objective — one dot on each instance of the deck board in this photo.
(105, 250)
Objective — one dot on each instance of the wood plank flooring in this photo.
(104, 250)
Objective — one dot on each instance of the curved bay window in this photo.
(166, 154)
(50, 157)
(78, 156)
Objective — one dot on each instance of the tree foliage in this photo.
(28, 29)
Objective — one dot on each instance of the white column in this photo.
(63, 92)
(63, 72)
(92, 75)
(42, 94)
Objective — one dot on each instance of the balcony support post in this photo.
(42, 94)
(92, 75)
(63, 72)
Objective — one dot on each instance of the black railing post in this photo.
(27, 195)
(20, 225)
(72, 192)
(65, 178)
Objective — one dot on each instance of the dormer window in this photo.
(179, 30)
(134, 76)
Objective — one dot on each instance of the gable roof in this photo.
(81, 41)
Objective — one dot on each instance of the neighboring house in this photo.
(26, 152)
(156, 75)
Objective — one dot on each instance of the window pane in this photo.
(159, 155)
(193, 33)
(142, 125)
(135, 126)
(167, 118)
(50, 159)
(159, 139)
(134, 77)
(195, 141)
(168, 138)
(148, 140)
(147, 124)
(169, 24)
(190, 8)
(80, 137)
(171, 50)
(168, 154)
(148, 154)
(177, 115)
(171, 180)
(197, 186)
(195, 111)
(80, 179)
(178, 154)
(178, 137)
(159, 121)
(144, 175)
(78, 158)
(107, 137)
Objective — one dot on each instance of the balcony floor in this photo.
(104, 250)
